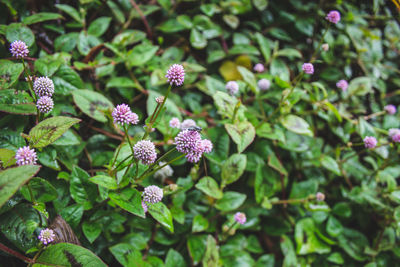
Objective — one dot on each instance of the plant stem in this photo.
(144, 175)
(128, 137)
(15, 254)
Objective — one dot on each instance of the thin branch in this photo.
(146, 24)
(15, 253)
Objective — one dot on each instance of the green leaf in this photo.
(91, 230)
(72, 214)
(248, 77)
(99, 26)
(66, 254)
(18, 102)
(274, 163)
(360, 86)
(197, 247)
(307, 240)
(40, 17)
(71, 11)
(18, 225)
(140, 54)
(49, 130)
(13, 178)
(66, 80)
(242, 133)
(353, 243)
(232, 20)
(104, 181)
(132, 204)
(83, 43)
(47, 66)
(303, 189)
(42, 190)
(7, 157)
(92, 104)
(118, 14)
(211, 256)
(225, 103)
(233, 168)
(10, 71)
(289, 252)
(66, 42)
(161, 213)
(297, 125)
(289, 52)
(197, 39)
(209, 187)
(334, 227)
(264, 46)
(230, 201)
(200, 224)
(174, 259)
(330, 164)
(16, 31)
(279, 68)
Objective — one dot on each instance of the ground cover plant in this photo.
(199, 133)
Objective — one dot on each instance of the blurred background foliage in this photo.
(269, 159)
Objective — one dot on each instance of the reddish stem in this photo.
(15, 253)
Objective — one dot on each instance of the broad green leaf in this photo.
(47, 66)
(211, 256)
(209, 187)
(330, 164)
(196, 245)
(66, 42)
(233, 168)
(267, 260)
(66, 80)
(289, 52)
(91, 230)
(18, 102)
(132, 204)
(264, 44)
(197, 39)
(42, 190)
(232, 20)
(17, 31)
(200, 224)
(360, 86)
(140, 54)
(40, 17)
(242, 133)
(274, 163)
(104, 181)
(334, 227)
(289, 252)
(10, 71)
(353, 243)
(280, 69)
(13, 178)
(307, 240)
(230, 201)
(297, 125)
(70, 11)
(72, 214)
(83, 43)
(303, 189)
(66, 254)
(161, 213)
(174, 259)
(49, 130)
(92, 104)
(7, 157)
(118, 14)
(225, 103)
(19, 224)
(99, 26)
(248, 77)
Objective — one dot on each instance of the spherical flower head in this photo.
(163, 173)
(19, 49)
(394, 134)
(123, 114)
(174, 123)
(176, 75)
(207, 146)
(152, 194)
(308, 68)
(264, 84)
(43, 86)
(25, 156)
(160, 99)
(45, 104)
(145, 151)
(259, 68)
(342, 84)
(333, 16)
(325, 47)
(390, 109)
(46, 236)
(188, 123)
(144, 206)
(240, 217)
(232, 87)
(320, 196)
(370, 142)
(186, 141)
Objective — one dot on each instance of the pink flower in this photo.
(145, 151)
(240, 217)
(46, 236)
(186, 141)
(370, 142)
(390, 109)
(333, 16)
(123, 114)
(308, 68)
(152, 194)
(43, 86)
(264, 84)
(342, 84)
(174, 123)
(45, 104)
(25, 156)
(232, 87)
(259, 67)
(19, 49)
(144, 206)
(320, 196)
(176, 75)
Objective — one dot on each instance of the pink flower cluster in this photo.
(152, 194)
(240, 217)
(308, 68)
(47, 236)
(19, 49)
(25, 156)
(370, 142)
(190, 143)
(145, 151)
(123, 114)
(342, 84)
(333, 16)
(176, 75)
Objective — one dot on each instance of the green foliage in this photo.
(274, 151)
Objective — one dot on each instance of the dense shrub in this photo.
(180, 133)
